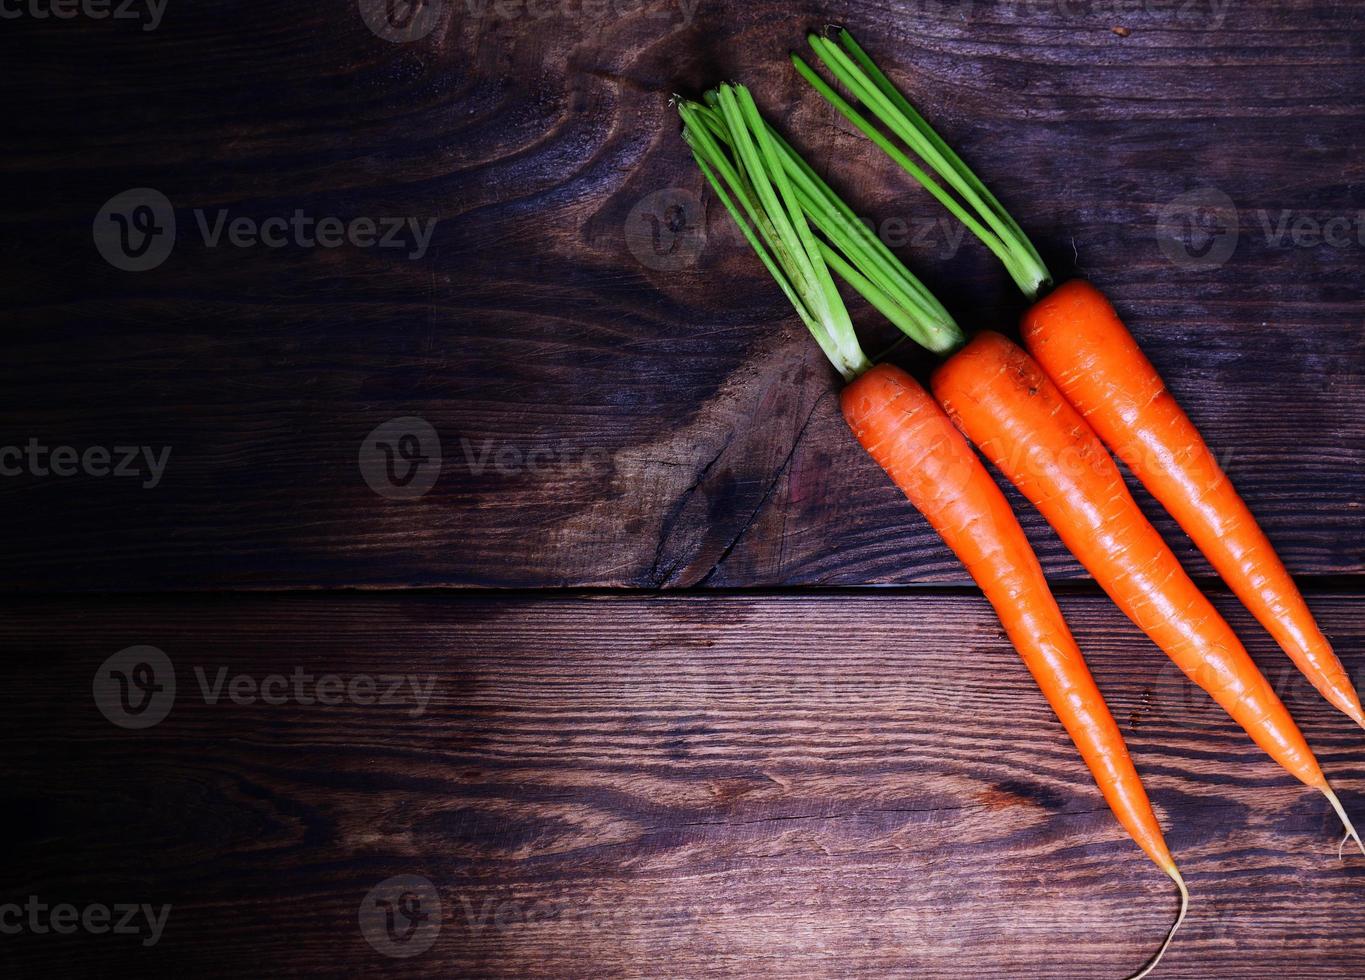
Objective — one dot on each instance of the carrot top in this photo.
(975, 206)
(780, 203)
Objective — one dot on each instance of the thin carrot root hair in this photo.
(1184, 908)
(1350, 827)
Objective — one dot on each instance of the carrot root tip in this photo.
(1184, 908)
(1350, 827)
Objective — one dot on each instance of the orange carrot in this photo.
(905, 431)
(1079, 340)
(1005, 403)
(771, 193)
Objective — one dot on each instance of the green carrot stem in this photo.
(978, 208)
(772, 223)
(989, 238)
(780, 202)
(922, 125)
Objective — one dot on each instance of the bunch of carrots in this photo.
(1043, 416)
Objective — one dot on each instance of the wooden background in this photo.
(674, 731)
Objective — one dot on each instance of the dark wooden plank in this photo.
(723, 786)
(680, 429)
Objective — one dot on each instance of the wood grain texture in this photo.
(710, 785)
(806, 786)
(681, 428)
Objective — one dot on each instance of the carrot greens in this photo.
(776, 197)
(978, 208)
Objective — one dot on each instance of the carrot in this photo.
(915, 442)
(1081, 343)
(1085, 348)
(1006, 404)
(911, 437)
(772, 193)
